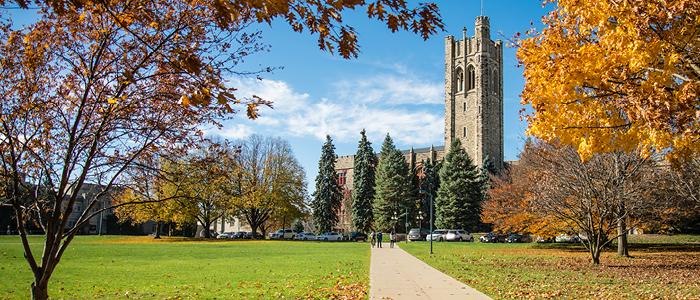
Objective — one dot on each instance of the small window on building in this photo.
(460, 80)
(465, 106)
(341, 178)
(465, 132)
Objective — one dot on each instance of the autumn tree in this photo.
(270, 182)
(600, 198)
(154, 190)
(458, 202)
(91, 86)
(328, 196)
(605, 76)
(391, 186)
(363, 180)
(511, 202)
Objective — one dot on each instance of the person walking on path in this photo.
(392, 240)
(379, 239)
(373, 238)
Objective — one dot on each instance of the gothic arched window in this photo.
(460, 80)
(471, 79)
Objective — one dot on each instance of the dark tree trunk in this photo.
(595, 256)
(622, 249)
(207, 233)
(40, 291)
(157, 235)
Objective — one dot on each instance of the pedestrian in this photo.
(379, 239)
(373, 238)
(392, 239)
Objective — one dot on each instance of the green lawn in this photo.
(661, 267)
(138, 267)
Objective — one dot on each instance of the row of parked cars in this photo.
(452, 235)
(288, 234)
(459, 235)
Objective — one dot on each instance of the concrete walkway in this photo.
(395, 274)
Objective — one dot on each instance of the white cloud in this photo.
(407, 108)
(391, 89)
(238, 131)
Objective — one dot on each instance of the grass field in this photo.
(139, 267)
(662, 267)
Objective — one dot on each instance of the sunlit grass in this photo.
(554, 271)
(140, 267)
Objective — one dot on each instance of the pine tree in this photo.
(363, 185)
(298, 225)
(390, 186)
(460, 192)
(429, 184)
(328, 196)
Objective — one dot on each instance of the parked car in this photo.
(282, 234)
(239, 235)
(305, 236)
(225, 235)
(565, 238)
(330, 236)
(437, 235)
(458, 235)
(417, 234)
(253, 236)
(517, 238)
(492, 237)
(357, 237)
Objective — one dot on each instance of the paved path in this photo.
(395, 274)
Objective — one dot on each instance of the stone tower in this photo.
(474, 93)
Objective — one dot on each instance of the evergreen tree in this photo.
(390, 186)
(363, 185)
(328, 196)
(460, 192)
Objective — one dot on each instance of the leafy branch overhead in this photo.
(323, 18)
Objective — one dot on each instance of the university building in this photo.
(473, 108)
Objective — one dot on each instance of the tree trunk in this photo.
(157, 235)
(622, 249)
(595, 256)
(622, 238)
(40, 291)
(207, 234)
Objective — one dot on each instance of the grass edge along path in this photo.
(516, 271)
(120, 267)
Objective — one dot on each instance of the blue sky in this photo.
(396, 85)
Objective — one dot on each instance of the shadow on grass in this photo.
(645, 247)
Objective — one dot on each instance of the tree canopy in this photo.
(391, 186)
(606, 76)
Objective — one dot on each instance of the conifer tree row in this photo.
(327, 197)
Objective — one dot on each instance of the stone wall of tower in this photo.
(475, 115)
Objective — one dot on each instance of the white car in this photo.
(458, 235)
(282, 234)
(305, 236)
(330, 236)
(437, 235)
(226, 235)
